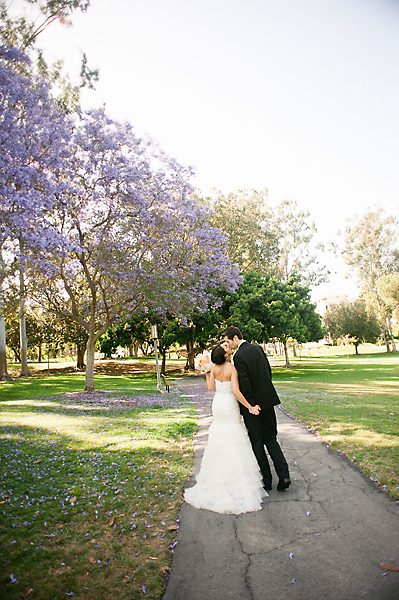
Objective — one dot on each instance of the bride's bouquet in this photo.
(203, 363)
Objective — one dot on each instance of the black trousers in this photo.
(262, 431)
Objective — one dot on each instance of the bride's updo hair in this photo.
(218, 355)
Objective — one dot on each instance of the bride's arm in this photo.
(254, 410)
(210, 380)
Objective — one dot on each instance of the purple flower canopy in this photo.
(111, 221)
(34, 138)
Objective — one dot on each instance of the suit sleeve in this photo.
(243, 378)
(269, 370)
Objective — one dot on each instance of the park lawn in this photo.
(353, 404)
(34, 387)
(91, 487)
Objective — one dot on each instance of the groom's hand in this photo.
(255, 410)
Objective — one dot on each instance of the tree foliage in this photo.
(371, 244)
(297, 256)
(34, 134)
(388, 290)
(275, 241)
(136, 237)
(247, 221)
(265, 308)
(22, 32)
(354, 320)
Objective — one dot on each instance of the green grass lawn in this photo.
(90, 486)
(33, 387)
(352, 403)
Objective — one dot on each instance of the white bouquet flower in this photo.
(203, 362)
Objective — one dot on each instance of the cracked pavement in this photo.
(322, 539)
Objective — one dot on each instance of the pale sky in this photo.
(296, 96)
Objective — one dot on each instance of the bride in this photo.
(229, 480)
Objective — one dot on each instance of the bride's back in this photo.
(223, 372)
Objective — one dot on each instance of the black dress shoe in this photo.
(283, 484)
(267, 485)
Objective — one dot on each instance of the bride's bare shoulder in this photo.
(229, 368)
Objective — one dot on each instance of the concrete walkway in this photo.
(323, 539)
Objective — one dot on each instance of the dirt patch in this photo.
(103, 367)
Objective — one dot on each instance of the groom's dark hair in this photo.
(231, 332)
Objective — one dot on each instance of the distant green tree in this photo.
(198, 332)
(275, 241)
(297, 256)
(370, 249)
(265, 308)
(354, 320)
(388, 291)
(294, 316)
(249, 307)
(247, 220)
(74, 334)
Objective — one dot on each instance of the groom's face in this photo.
(232, 343)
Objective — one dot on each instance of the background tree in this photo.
(73, 333)
(265, 308)
(371, 250)
(197, 332)
(248, 222)
(22, 32)
(293, 315)
(388, 290)
(354, 320)
(137, 239)
(295, 235)
(248, 308)
(34, 134)
(275, 241)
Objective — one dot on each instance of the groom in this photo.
(255, 380)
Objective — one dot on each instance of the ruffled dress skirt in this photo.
(229, 480)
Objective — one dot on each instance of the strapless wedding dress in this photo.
(229, 480)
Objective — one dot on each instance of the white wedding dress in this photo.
(229, 480)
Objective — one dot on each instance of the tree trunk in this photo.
(23, 338)
(91, 346)
(287, 361)
(294, 350)
(382, 322)
(356, 349)
(80, 362)
(389, 327)
(40, 353)
(190, 365)
(4, 376)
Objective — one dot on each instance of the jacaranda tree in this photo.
(33, 140)
(139, 239)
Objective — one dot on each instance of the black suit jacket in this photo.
(255, 377)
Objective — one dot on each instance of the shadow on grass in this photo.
(74, 382)
(65, 475)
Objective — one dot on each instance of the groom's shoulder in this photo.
(249, 347)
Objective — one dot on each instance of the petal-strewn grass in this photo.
(90, 492)
(353, 404)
